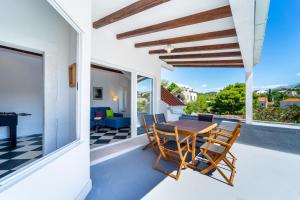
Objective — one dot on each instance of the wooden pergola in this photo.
(191, 33)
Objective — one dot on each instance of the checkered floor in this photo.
(108, 135)
(28, 149)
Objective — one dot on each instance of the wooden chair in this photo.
(149, 121)
(224, 131)
(205, 118)
(172, 147)
(160, 118)
(215, 151)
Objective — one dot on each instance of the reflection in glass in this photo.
(144, 100)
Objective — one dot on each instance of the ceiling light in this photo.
(169, 48)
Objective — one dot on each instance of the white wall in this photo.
(121, 54)
(41, 25)
(172, 113)
(21, 91)
(66, 177)
(113, 84)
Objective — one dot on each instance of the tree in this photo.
(198, 106)
(230, 100)
(176, 91)
(165, 83)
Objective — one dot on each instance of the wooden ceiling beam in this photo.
(204, 55)
(209, 15)
(128, 11)
(189, 38)
(206, 62)
(210, 66)
(198, 48)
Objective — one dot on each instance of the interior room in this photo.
(37, 85)
(22, 113)
(110, 119)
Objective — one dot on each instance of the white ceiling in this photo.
(168, 11)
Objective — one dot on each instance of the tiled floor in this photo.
(108, 135)
(28, 149)
(262, 174)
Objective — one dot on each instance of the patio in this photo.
(261, 174)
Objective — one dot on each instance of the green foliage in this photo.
(198, 106)
(142, 106)
(290, 114)
(176, 91)
(277, 96)
(230, 100)
(165, 83)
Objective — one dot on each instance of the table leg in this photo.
(193, 149)
(13, 136)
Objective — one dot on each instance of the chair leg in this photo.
(152, 145)
(181, 165)
(146, 146)
(233, 157)
(215, 166)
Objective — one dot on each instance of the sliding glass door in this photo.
(144, 100)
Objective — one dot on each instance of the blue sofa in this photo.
(117, 121)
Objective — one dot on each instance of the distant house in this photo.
(261, 92)
(189, 93)
(263, 102)
(170, 105)
(289, 102)
(292, 93)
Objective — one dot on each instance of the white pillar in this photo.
(133, 104)
(249, 95)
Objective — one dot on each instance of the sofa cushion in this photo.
(100, 114)
(109, 113)
(117, 122)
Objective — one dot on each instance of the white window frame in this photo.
(134, 75)
(29, 169)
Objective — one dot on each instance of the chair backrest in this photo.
(169, 132)
(149, 121)
(228, 125)
(205, 117)
(234, 135)
(160, 118)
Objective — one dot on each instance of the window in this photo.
(40, 95)
(144, 99)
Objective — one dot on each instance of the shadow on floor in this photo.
(129, 176)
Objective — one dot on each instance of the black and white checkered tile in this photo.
(108, 135)
(28, 149)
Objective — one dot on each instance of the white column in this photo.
(134, 104)
(249, 95)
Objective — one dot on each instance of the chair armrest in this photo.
(217, 141)
(224, 129)
(221, 134)
(118, 115)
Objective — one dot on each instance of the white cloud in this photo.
(204, 85)
(298, 74)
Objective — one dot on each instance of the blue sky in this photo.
(279, 62)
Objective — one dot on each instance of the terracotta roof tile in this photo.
(291, 100)
(169, 98)
(262, 99)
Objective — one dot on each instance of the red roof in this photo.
(262, 99)
(169, 98)
(291, 100)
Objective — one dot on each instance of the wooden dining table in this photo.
(193, 128)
